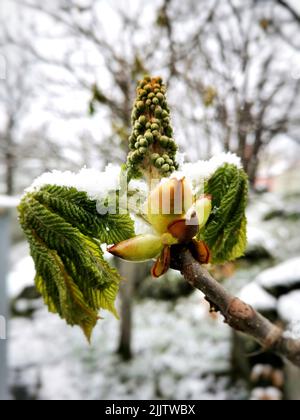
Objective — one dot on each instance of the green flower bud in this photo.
(154, 127)
(154, 157)
(148, 88)
(151, 95)
(169, 162)
(135, 157)
(142, 151)
(149, 136)
(165, 156)
(159, 162)
(148, 125)
(169, 131)
(165, 167)
(164, 141)
(165, 114)
(142, 92)
(143, 143)
(158, 111)
(172, 145)
(148, 102)
(155, 101)
(143, 120)
(160, 96)
(156, 134)
(138, 126)
(172, 168)
(140, 105)
(137, 145)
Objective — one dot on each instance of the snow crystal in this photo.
(255, 296)
(285, 274)
(289, 309)
(199, 171)
(95, 183)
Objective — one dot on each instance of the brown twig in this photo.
(238, 315)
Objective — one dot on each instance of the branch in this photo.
(289, 9)
(238, 315)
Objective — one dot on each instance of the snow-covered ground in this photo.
(180, 353)
(286, 273)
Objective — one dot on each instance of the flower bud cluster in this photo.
(151, 143)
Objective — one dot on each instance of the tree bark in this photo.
(238, 315)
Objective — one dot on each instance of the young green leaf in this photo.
(65, 233)
(225, 231)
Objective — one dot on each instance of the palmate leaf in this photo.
(225, 232)
(65, 233)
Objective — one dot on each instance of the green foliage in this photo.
(65, 232)
(225, 231)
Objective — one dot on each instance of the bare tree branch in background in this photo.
(245, 96)
(289, 8)
(13, 95)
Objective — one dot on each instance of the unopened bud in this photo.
(168, 202)
(138, 249)
(203, 208)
